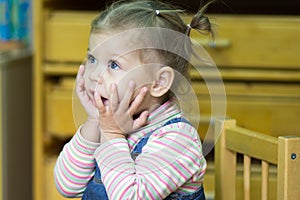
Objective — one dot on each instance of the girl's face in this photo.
(114, 60)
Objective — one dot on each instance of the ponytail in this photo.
(201, 23)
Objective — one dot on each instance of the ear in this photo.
(163, 83)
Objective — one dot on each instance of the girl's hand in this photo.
(90, 129)
(85, 100)
(116, 120)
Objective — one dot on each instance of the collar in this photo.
(158, 117)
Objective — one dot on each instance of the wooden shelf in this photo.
(248, 74)
(10, 45)
(60, 69)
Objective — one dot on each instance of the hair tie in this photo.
(157, 12)
(188, 30)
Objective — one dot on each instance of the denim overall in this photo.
(96, 191)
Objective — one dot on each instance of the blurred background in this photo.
(42, 43)
(16, 68)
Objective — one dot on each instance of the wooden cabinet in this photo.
(15, 123)
(256, 41)
(257, 56)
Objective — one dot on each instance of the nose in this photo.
(97, 75)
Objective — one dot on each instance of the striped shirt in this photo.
(171, 161)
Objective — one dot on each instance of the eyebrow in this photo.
(90, 54)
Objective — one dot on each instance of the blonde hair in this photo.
(125, 15)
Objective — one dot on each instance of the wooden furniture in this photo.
(280, 151)
(257, 56)
(15, 122)
(1, 133)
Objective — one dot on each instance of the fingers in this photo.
(141, 120)
(80, 72)
(79, 79)
(124, 104)
(118, 114)
(138, 100)
(114, 98)
(80, 84)
(98, 103)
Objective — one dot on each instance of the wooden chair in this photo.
(283, 152)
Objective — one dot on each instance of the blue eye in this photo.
(113, 65)
(91, 59)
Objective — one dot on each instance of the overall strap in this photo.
(138, 148)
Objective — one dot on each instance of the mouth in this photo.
(105, 101)
(91, 94)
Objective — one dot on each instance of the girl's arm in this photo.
(171, 158)
(75, 166)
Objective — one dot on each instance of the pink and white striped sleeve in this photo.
(75, 166)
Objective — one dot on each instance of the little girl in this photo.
(136, 142)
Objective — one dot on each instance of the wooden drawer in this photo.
(250, 41)
(254, 41)
(66, 35)
(61, 121)
(266, 107)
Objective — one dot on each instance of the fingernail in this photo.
(144, 89)
(147, 113)
(81, 68)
